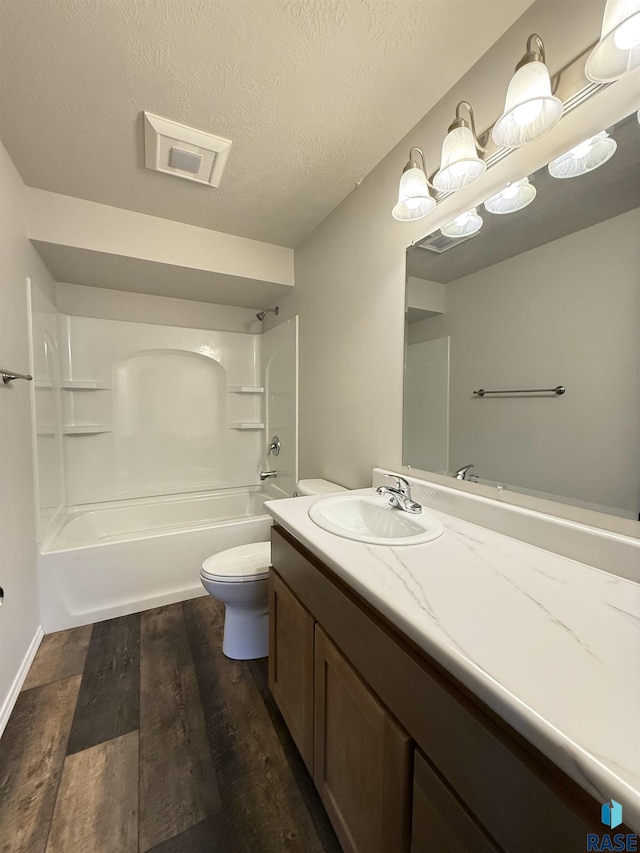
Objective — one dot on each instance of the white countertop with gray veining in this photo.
(550, 644)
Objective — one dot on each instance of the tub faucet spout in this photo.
(267, 475)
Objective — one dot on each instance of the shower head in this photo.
(262, 314)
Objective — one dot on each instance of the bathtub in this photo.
(111, 559)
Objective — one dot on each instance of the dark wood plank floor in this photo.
(137, 735)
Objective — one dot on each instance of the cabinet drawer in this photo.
(439, 821)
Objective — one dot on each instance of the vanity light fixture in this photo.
(530, 110)
(618, 51)
(460, 164)
(513, 197)
(414, 199)
(468, 223)
(585, 157)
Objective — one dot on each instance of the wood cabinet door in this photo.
(291, 663)
(362, 759)
(439, 820)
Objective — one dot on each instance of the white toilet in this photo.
(238, 577)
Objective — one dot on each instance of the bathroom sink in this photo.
(370, 519)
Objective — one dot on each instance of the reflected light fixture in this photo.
(465, 225)
(530, 110)
(618, 51)
(585, 157)
(414, 199)
(460, 164)
(513, 197)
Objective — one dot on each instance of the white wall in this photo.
(19, 614)
(67, 221)
(108, 304)
(350, 272)
(565, 313)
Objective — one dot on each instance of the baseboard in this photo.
(7, 706)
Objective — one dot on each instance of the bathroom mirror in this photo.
(543, 297)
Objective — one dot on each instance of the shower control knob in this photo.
(274, 446)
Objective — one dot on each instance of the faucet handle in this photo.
(401, 483)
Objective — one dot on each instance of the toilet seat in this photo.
(239, 565)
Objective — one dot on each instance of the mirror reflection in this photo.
(544, 294)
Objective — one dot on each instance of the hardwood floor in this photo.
(137, 735)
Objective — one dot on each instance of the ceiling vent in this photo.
(182, 151)
(440, 243)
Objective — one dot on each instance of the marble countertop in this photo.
(550, 644)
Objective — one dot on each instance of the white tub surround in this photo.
(111, 559)
(549, 643)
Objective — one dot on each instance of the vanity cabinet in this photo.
(358, 755)
(405, 758)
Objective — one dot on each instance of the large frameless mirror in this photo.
(522, 345)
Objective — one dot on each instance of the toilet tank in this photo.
(317, 487)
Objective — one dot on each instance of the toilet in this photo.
(238, 577)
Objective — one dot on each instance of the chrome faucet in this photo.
(274, 446)
(463, 473)
(400, 495)
(267, 475)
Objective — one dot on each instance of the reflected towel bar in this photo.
(9, 376)
(559, 389)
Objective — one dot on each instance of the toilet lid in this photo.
(246, 562)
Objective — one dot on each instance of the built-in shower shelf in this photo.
(246, 425)
(86, 429)
(84, 385)
(245, 389)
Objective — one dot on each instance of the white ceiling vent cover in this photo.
(183, 151)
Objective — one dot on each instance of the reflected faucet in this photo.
(463, 473)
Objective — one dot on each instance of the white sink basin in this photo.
(370, 519)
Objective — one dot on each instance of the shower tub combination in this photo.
(111, 559)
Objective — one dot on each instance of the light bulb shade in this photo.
(583, 158)
(460, 164)
(618, 51)
(513, 197)
(414, 198)
(465, 225)
(530, 109)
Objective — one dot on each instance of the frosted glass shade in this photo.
(585, 157)
(465, 225)
(414, 199)
(513, 197)
(618, 51)
(530, 109)
(460, 164)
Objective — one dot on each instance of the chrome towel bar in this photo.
(9, 375)
(559, 389)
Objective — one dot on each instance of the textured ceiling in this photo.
(313, 94)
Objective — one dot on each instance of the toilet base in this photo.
(246, 632)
